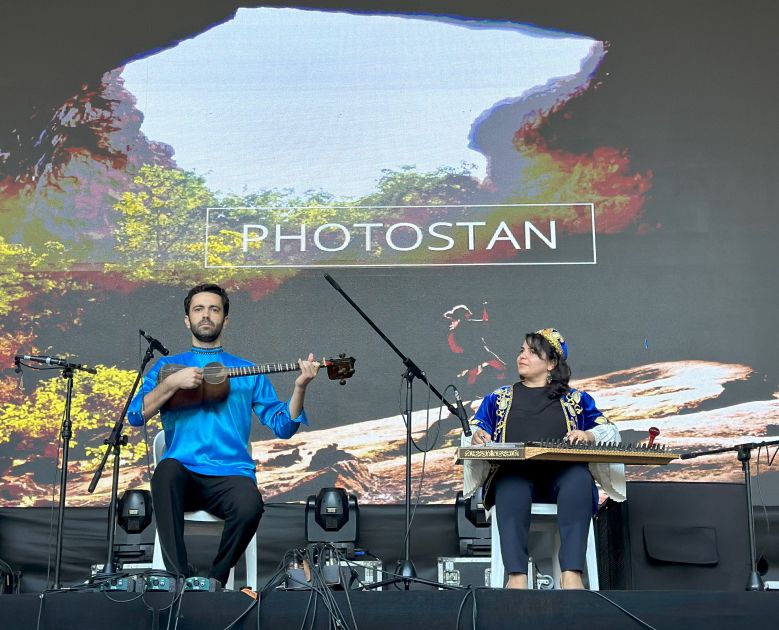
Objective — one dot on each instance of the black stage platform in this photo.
(430, 610)
(671, 593)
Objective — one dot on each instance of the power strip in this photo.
(158, 583)
(127, 584)
(208, 585)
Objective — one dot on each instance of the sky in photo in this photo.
(286, 98)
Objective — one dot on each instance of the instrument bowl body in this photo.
(214, 388)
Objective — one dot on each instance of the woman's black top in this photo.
(534, 416)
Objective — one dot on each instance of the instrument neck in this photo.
(267, 368)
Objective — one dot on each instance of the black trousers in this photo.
(519, 484)
(175, 489)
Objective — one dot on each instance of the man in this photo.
(206, 465)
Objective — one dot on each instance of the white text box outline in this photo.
(594, 260)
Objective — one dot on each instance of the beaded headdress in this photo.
(556, 340)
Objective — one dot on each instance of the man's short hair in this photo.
(207, 287)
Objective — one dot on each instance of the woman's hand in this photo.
(480, 436)
(580, 437)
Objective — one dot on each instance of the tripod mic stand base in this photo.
(755, 582)
(405, 570)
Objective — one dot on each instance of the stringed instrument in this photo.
(558, 450)
(216, 384)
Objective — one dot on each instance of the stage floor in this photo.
(428, 610)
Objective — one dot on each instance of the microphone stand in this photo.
(66, 432)
(114, 443)
(406, 572)
(744, 451)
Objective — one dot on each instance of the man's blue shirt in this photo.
(212, 439)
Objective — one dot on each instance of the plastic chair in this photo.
(543, 518)
(208, 522)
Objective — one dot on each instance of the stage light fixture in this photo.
(135, 510)
(473, 528)
(332, 516)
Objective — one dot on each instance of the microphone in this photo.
(47, 360)
(461, 412)
(156, 344)
(19, 371)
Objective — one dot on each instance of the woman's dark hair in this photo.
(560, 373)
(207, 288)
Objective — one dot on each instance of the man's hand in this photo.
(185, 378)
(308, 370)
(480, 436)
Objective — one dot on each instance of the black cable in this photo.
(624, 610)
(31, 366)
(308, 607)
(448, 587)
(42, 597)
(90, 584)
(53, 503)
(475, 610)
(760, 493)
(93, 581)
(338, 617)
(119, 575)
(326, 594)
(178, 594)
(71, 589)
(402, 413)
(255, 602)
(351, 610)
(317, 575)
(312, 596)
(276, 578)
(267, 588)
(468, 593)
(424, 456)
(178, 608)
(125, 601)
(341, 578)
(769, 462)
(355, 576)
(145, 422)
(179, 585)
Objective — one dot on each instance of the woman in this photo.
(542, 406)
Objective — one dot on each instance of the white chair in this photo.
(210, 524)
(543, 518)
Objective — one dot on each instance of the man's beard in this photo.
(207, 337)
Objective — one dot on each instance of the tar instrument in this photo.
(216, 385)
(562, 451)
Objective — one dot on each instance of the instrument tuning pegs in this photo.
(653, 433)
